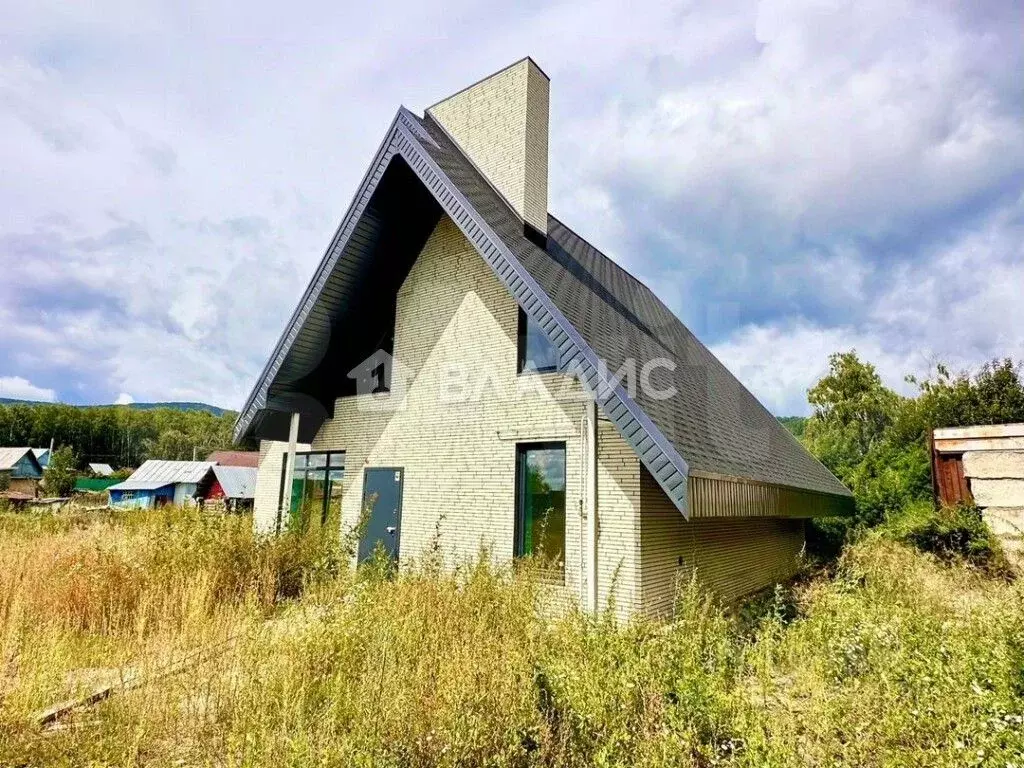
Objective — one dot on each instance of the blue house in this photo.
(159, 482)
(42, 456)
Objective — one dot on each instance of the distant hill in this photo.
(216, 411)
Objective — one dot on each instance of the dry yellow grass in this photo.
(895, 659)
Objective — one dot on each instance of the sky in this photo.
(792, 178)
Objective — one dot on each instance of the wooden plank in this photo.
(962, 445)
(130, 681)
(950, 483)
(983, 431)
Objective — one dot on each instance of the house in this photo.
(554, 405)
(984, 465)
(231, 486)
(42, 456)
(158, 482)
(235, 458)
(20, 472)
(101, 470)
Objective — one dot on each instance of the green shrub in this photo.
(950, 533)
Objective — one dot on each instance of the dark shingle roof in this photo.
(713, 421)
(594, 312)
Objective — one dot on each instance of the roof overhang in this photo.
(286, 384)
(141, 485)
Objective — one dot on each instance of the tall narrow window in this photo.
(540, 502)
(536, 353)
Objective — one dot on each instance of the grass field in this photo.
(892, 658)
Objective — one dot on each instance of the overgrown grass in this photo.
(895, 658)
(955, 533)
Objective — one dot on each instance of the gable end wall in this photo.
(458, 455)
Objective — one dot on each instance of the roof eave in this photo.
(405, 137)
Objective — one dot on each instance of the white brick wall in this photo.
(501, 123)
(733, 556)
(268, 484)
(459, 457)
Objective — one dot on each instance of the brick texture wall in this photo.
(268, 484)
(502, 125)
(733, 556)
(455, 427)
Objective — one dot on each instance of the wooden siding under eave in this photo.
(712, 495)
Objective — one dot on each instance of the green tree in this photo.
(119, 435)
(870, 438)
(61, 473)
(994, 395)
(876, 441)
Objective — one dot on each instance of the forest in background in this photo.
(119, 435)
(874, 439)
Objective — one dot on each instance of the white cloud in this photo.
(124, 399)
(802, 174)
(17, 388)
(778, 363)
(960, 305)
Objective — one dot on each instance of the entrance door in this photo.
(382, 495)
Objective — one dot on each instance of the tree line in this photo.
(877, 441)
(117, 435)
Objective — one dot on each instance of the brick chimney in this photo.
(501, 123)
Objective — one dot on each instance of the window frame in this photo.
(326, 469)
(523, 327)
(518, 535)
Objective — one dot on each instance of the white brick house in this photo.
(523, 393)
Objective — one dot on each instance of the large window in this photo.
(316, 487)
(536, 353)
(540, 503)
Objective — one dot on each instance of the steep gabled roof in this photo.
(236, 482)
(595, 314)
(9, 458)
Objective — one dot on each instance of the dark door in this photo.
(382, 496)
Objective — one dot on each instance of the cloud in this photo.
(17, 388)
(124, 399)
(959, 305)
(785, 173)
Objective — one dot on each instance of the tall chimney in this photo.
(501, 123)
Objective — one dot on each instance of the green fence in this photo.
(95, 484)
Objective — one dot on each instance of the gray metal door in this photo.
(382, 496)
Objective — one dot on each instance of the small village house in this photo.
(42, 456)
(184, 483)
(100, 470)
(469, 370)
(158, 482)
(20, 472)
(229, 487)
